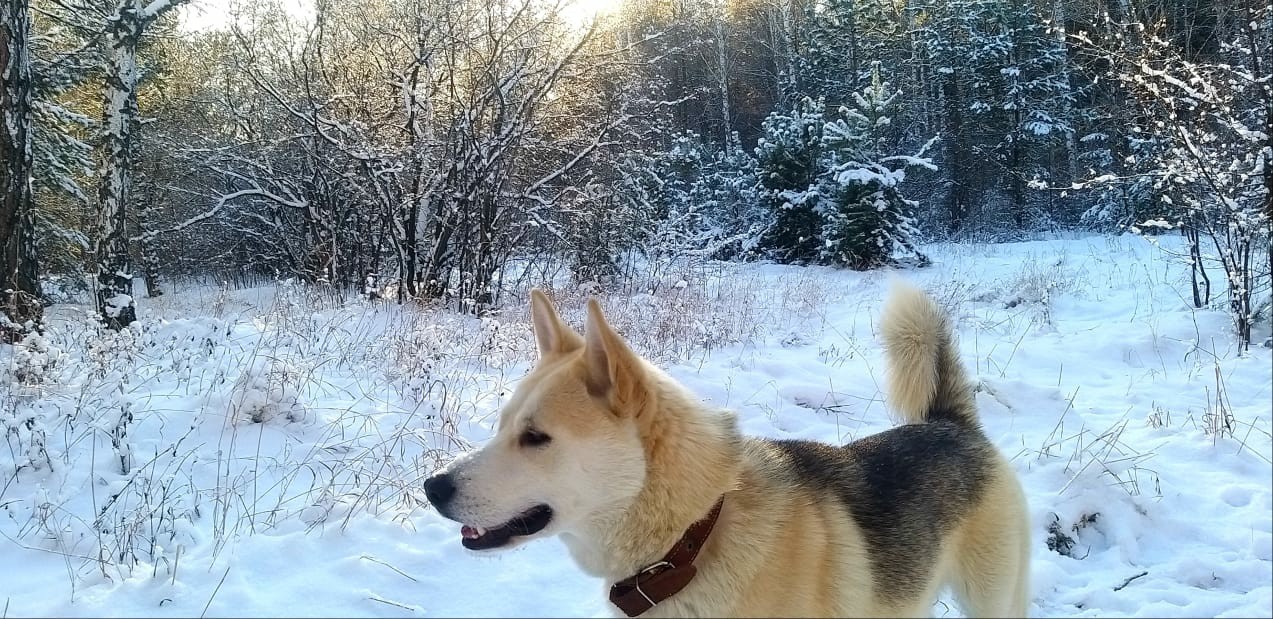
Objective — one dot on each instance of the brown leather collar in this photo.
(663, 579)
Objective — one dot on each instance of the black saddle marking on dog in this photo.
(904, 488)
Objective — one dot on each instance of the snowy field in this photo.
(258, 452)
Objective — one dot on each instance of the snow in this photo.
(277, 436)
(117, 304)
(866, 176)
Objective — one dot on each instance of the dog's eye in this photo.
(533, 438)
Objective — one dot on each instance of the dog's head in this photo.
(568, 447)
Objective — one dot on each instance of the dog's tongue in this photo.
(471, 532)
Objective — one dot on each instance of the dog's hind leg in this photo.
(992, 576)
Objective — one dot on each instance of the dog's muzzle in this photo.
(440, 489)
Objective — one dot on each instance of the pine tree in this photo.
(679, 225)
(788, 165)
(733, 217)
(830, 187)
(866, 221)
(845, 38)
(1006, 101)
(831, 66)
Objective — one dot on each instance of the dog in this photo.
(660, 495)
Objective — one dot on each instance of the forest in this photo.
(444, 151)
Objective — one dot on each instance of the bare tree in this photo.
(1205, 117)
(452, 141)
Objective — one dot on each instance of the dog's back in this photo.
(906, 489)
(931, 502)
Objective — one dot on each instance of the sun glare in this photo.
(203, 15)
(584, 11)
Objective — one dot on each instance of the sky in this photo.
(203, 15)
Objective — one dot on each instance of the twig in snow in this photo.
(384, 601)
(1129, 581)
(375, 560)
(214, 592)
(176, 563)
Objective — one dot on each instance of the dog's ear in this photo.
(614, 371)
(552, 335)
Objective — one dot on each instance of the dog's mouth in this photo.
(529, 522)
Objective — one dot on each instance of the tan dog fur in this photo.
(634, 459)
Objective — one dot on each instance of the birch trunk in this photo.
(722, 74)
(1067, 111)
(119, 123)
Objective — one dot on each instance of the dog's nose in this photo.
(439, 489)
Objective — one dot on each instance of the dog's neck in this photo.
(692, 460)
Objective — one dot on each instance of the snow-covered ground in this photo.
(274, 438)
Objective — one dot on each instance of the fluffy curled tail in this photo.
(926, 381)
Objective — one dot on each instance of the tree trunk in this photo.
(1059, 30)
(722, 67)
(410, 284)
(482, 280)
(957, 199)
(119, 120)
(1017, 175)
(120, 123)
(789, 50)
(147, 215)
(1199, 280)
(437, 268)
(19, 286)
(851, 31)
(150, 256)
(409, 254)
